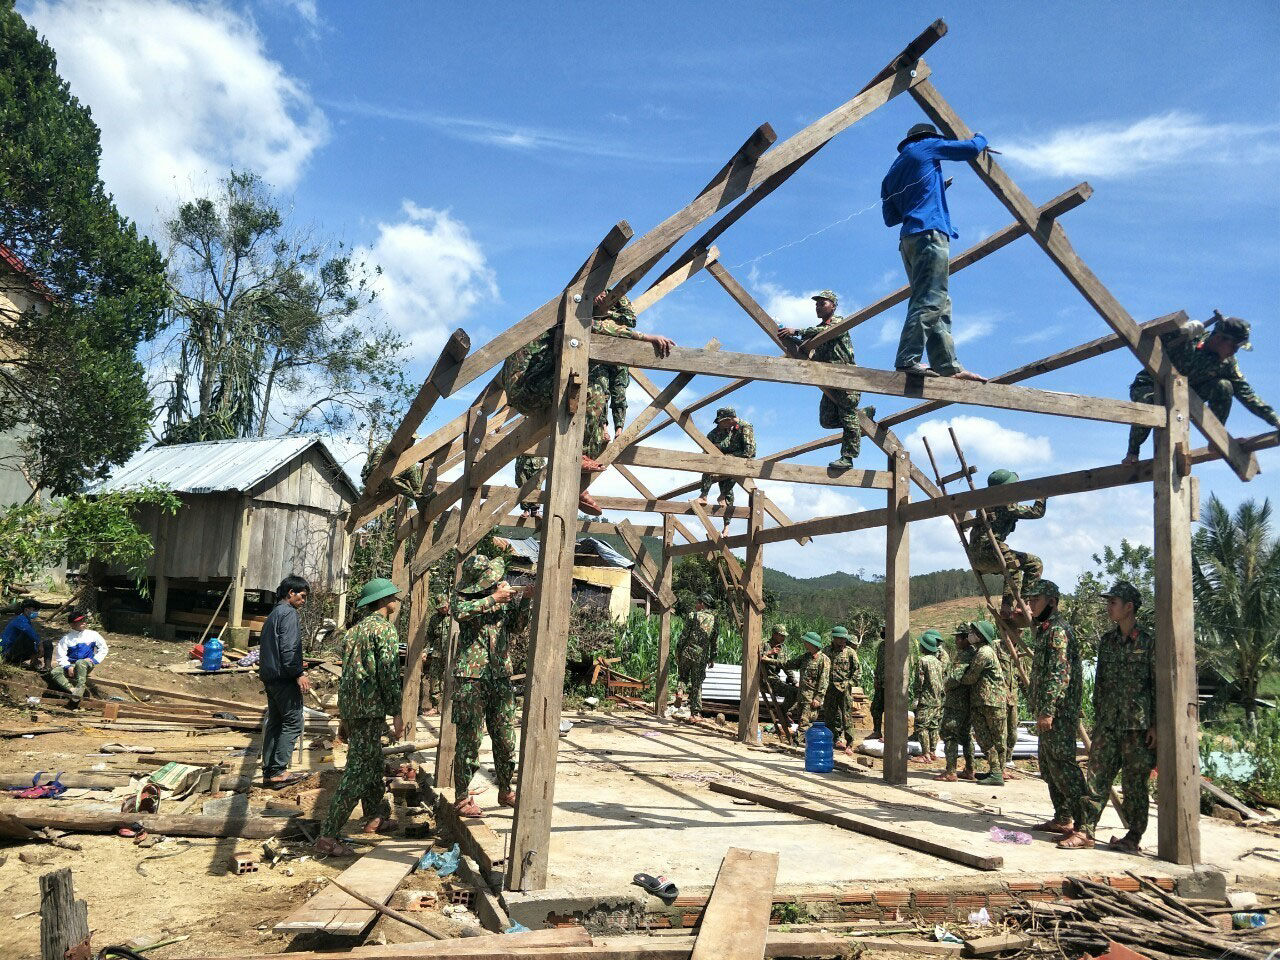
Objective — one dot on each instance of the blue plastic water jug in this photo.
(212, 660)
(819, 757)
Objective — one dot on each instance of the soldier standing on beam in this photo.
(616, 376)
(734, 438)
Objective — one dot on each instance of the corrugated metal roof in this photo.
(214, 467)
(528, 549)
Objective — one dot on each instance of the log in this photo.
(37, 815)
(64, 920)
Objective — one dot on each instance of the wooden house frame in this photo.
(489, 434)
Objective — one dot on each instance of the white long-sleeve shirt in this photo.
(80, 645)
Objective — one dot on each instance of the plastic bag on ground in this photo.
(443, 863)
(1001, 835)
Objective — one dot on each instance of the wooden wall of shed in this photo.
(197, 538)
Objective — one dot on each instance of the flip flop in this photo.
(1124, 845)
(287, 781)
(134, 832)
(660, 887)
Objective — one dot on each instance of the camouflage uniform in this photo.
(1212, 379)
(1056, 691)
(1024, 568)
(616, 376)
(526, 468)
(842, 678)
(877, 692)
(696, 650)
(482, 695)
(368, 692)
(1010, 671)
(1124, 708)
(815, 677)
(928, 705)
(529, 377)
(439, 627)
(737, 441)
(837, 408)
(987, 704)
(784, 691)
(956, 725)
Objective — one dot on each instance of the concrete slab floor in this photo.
(632, 796)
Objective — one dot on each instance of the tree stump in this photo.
(64, 920)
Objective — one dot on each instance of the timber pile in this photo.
(1156, 923)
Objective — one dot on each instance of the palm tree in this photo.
(1235, 574)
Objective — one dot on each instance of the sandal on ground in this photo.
(379, 825)
(947, 776)
(507, 799)
(467, 808)
(1077, 841)
(1051, 826)
(332, 847)
(1124, 845)
(660, 887)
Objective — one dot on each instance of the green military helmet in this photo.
(827, 295)
(480, 573)
(1001, 476)
(376, 589)
(780, 630)
(840, 633)
(813, 640)
(930, 640)
(726, 413)
(985, 629)
(1233, 328)
(1126, 592)
(1042, 588)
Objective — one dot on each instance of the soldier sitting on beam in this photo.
(734, 438)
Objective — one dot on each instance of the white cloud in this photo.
(986, 444)
(789, 309)
(433, 275)
(183, 93)
(968, 329)
(306, 9)
(1118, 149)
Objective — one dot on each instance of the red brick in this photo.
(1027, 885)
(856, 896)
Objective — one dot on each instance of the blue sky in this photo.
(478, 152)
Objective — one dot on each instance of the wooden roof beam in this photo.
(722, 465)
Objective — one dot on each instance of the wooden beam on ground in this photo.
(790, 803)
(1177, 709)
(1094, 348)
(664, 623)
(735, 922)
(37, 815)
(753, 586)
(1055, 208)
(377, 875)
(897, 625)
(1053, 240)
(721, 465)
(216, 703)
(890, 383)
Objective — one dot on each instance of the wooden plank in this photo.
(217, 703)
(1228, 800)
(890, 383)
(1053, 240)
(672, 279)
(735, 567)
(419, 617)
(664, 623)
(818, 526)
(999, 943)
(1177, 716)
(685, 416)
(722, 465)
(1056, 361)
(38, 814)
(735, 921)
(584, 526)
(240, 555)
(1059, 205)
(897, 626)
(376, 875)
(475, 948)
(636, 504)
(804, 808)
(628, 436)
(753, 586)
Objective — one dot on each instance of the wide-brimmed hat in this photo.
(930, 640)
(375, 590)
(840, 633)
(985, 629)
(480, 573)
(919, 131)
(1125, 591)
(813, 640)
(827, 295)
(998, 477)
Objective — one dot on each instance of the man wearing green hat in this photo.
(929, 693)
(987, 703)
(843, 676)
(734, 438)
(837, 408)
(815, 677)
(696, 650)
(1124, 728)
(368, 693)
(1057, 688)
(1208, 361)
(488, 611)
(1024, 568)
(956, 711)
(777, 671)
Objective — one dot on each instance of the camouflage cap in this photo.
(961, 629)
(780, 630)
(985, 629)
(480, 573)
(827, 295)
(1042, 588)
(813, 640)
(997, 477)
(726, 413)
(930, 640)
(1235, 329)
(1125, 591)
(623, 312)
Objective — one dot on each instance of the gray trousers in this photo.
(283, 726)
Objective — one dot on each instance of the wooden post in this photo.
(159, 563)
(240, 562)
(344, 580)
(1177, 720)
(897, 639)
(419, 617)
(549, 631)
(664, 628)
(749, 703)
(64, 920)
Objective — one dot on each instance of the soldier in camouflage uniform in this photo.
(529, 376)
(956, 721)
(368, 692)
(877, 692)
(785, 692)
(1124, 729)
(845, 673)
(439, 626)
(987, 700)
(488, 610)
(526, 468)
(929, 693)
(1208, 361)
(1057, 688)
(733, 438)
(815, 677)
(696, 650)
(617, 377)
(1010, 670)
(837, 408)
(1024, 568)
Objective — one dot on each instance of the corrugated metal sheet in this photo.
(215, 467)
(587, 546)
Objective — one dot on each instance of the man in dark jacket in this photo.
(280, 669)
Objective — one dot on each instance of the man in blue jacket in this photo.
(77, 653)
(20, 642)
(280, 670)
(913, 194)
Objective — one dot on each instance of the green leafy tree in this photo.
(70, 382)
(270, 326)
(1235, 575)
(1086, 609)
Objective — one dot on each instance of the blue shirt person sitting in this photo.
(20, 642)
(913, 194)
